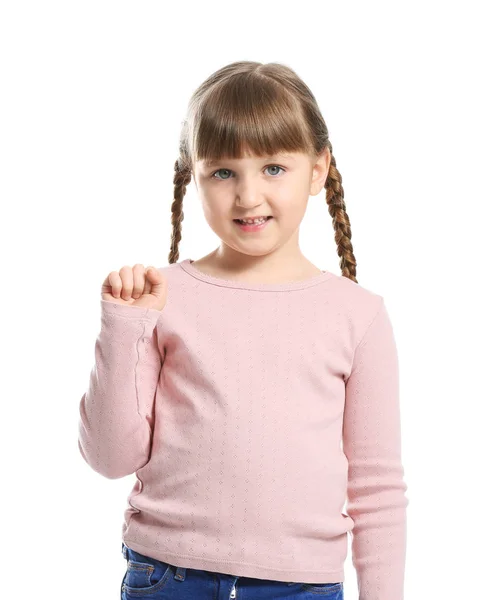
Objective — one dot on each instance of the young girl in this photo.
(250, 392)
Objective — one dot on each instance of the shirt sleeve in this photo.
(376, 499)
(117, 410)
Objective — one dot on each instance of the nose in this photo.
(248, 195)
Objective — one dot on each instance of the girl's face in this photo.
(277, 186)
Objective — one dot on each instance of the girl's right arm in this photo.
(117, 410)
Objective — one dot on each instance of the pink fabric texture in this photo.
(250, 414)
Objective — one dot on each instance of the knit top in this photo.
(250, 413)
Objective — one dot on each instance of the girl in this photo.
(250, 392)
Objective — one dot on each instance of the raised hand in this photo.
(136, 286)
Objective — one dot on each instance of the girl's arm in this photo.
(376, 498)
(116, 412)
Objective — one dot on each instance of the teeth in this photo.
(253, 221)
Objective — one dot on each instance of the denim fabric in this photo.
(147, 577)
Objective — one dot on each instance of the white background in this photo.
(92, 98)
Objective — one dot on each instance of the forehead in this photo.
(280, 156)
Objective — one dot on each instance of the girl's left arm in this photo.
(376, 498)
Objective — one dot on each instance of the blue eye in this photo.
(229, 171)
(275, 167)
(218, 171)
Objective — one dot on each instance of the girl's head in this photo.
(255, 143)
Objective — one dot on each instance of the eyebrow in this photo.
(210, 163)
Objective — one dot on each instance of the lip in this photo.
(256, 217)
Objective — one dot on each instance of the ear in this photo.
(320, 172)
(193, 178)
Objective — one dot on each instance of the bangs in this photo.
(247, 116)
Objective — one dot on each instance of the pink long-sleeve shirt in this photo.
(250, 413)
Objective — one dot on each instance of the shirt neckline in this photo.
(264, 287)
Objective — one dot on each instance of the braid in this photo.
(182, 176)
(341, 223)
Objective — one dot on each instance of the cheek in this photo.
(291, 207)
(215, 211)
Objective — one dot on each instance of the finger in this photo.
(127, 278)
(147, 283)
(158, 283)
(115, 283)
(138, 286)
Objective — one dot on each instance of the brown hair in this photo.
(264, 109)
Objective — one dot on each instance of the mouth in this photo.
(244, 223)
(252, 227)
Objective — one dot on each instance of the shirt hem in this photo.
(238, 569)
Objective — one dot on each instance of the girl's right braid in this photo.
(182, 177)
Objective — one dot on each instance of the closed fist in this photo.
(136, 286)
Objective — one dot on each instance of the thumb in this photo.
(158, 281)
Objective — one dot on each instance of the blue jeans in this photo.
(151, 578)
